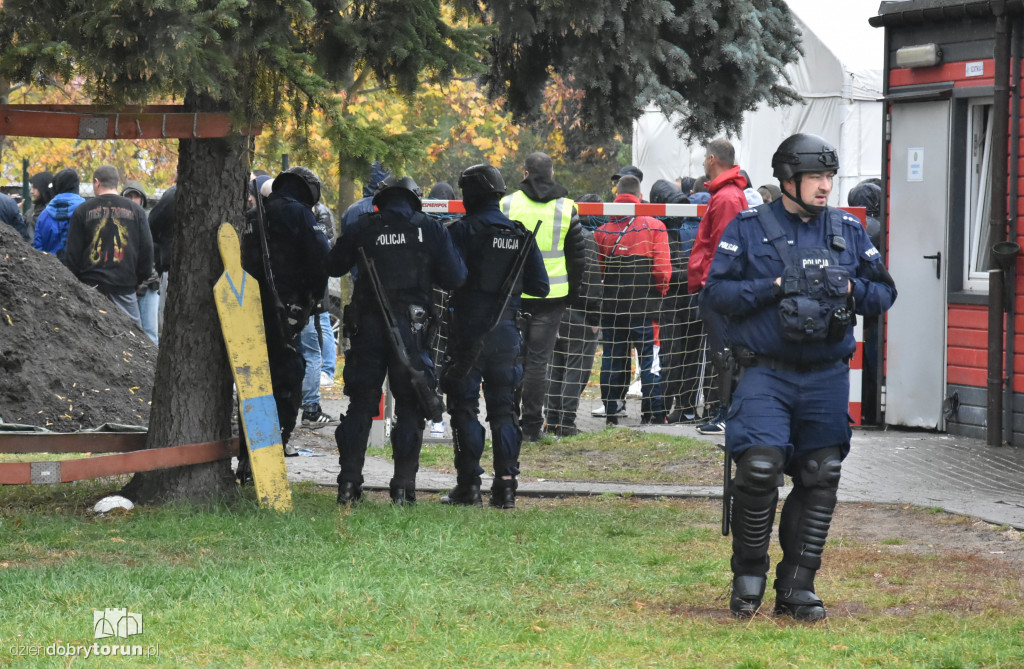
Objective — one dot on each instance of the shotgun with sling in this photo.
(428, 401)
(459, 367)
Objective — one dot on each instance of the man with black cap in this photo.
(109, 244)
(484, 344)
(789, 275)
(410, 253)
(560, 239)
(297, 248)
(628, 170)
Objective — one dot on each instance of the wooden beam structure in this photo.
(125, 123)
(63, 471)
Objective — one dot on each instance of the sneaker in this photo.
(436, 430)
(326, 380)
(712, 427)
(315, 418)
(679, 416)
(618, 409)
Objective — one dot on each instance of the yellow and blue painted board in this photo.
(237, 296)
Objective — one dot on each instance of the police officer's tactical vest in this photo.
(556, 215)
(396, 245)
(816, 305)
(493, 251)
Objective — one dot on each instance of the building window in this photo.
(977, 227)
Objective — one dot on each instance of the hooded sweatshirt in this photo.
(52, 224)
(727, 200)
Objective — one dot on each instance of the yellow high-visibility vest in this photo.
(556, 216)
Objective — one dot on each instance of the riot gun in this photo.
(458, 368)
(280, 312)
(429, 402)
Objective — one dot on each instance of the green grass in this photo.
(615, 454)
(598, 582)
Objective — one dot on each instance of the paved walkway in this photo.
(957, 474)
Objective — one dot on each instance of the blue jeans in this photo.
(149, 312)
(309, 347)
(128, 303)
(329, 350)
(620, 333)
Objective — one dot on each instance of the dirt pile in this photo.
(69, 358)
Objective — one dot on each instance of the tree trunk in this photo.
(192, 397)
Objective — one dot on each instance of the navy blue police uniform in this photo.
(411, 252)
(744, 269)
(789, 413)
(489, 242)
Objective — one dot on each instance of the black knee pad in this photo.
(819, 469)
(759, 469)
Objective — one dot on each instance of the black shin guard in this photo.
(755, 494)
(803, 530)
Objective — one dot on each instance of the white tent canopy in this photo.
(839, 103)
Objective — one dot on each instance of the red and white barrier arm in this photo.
(589, 208)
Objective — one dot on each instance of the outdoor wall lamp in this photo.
(919, 55)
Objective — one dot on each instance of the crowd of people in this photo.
(770, 278)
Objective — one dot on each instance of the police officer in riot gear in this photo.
(788, 276)
(296, 248)
(484, 343)
(411, 252)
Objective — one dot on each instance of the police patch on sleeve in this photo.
(728, 246)
(871, 253)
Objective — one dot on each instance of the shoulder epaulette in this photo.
(747, 213)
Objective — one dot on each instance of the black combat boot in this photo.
(349, 492)
(503, 493)
(403, 492)
(465, 493)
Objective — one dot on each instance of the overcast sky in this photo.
(843, 27)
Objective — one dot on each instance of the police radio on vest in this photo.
(505, 243)
(389, 238)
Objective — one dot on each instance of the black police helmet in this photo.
(405, 188)
(802, 153)
(311, 179)
(480, 181)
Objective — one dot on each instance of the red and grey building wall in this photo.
(953, 349)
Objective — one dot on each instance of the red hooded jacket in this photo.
(727, 200)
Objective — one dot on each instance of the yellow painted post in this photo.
(237, 295)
